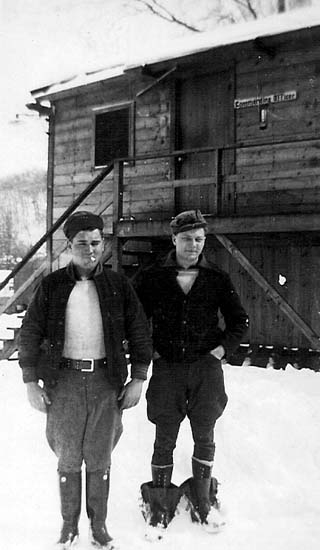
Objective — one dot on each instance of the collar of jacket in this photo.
(171, 261)
(72, 271)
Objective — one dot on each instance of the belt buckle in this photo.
(91, 368)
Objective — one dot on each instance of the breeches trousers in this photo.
(177, 390)
(83, 421)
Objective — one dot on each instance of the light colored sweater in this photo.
(84, 337)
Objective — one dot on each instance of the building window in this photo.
(113, 134)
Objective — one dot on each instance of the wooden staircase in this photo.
(134, 244)
(9, 334)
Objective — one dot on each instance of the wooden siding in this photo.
(73, 158)
(289, 172)
(263, 179)
(293, 257)
(262, 175)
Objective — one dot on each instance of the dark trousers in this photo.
(84, 421)
(177, 390)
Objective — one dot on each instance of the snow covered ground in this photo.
(267, 461)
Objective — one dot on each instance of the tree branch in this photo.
(161, 11)
(248, 6)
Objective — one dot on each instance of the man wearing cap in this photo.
(182, 295)
(80, 324)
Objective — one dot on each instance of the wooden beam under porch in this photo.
(225, 225)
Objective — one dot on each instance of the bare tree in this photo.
(219, 12)
(157, 8)
(214, 11)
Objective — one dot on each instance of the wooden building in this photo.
(228, 123)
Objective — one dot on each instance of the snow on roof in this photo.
(235, 33)
(79, 80)
(220, 36)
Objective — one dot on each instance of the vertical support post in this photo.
(50, 178)
(217, 194)
(173, 142)
(117, 214)
(233, 136)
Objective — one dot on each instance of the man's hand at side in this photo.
(130, 394)
(218, 352)
(37, 396)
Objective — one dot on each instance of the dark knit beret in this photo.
(190, 219)
(81, 221)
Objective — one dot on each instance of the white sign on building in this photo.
(264, 100)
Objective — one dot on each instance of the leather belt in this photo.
(84, 365)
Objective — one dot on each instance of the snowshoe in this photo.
(158, 508)
(203, 510)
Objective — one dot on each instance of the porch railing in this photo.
(216, 180)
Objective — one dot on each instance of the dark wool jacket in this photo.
(124, 324)
(187, 326)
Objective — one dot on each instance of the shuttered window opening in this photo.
(112, 139)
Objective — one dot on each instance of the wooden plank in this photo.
(77, 123)
(65, 167)
(297, 57)
(134, 195)
(308, 184)
(271, 292)
(50, 185)
(74, 146)
(74, 136)
(94, 199)
(146, 207)
(284, 156)
(231, 225)
(117, 192)
(289, 201)
(272, 174)
(147, 219)
(174, 183)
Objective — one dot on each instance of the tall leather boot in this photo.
(205, 507)
(202, 483)
(161, 475)
(97, 494)
(70, 498)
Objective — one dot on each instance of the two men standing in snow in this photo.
(72, 338)
(182, 295)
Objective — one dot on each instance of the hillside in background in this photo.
(22, 213)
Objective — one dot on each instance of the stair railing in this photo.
(57, 224)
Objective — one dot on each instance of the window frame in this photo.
(96, 111)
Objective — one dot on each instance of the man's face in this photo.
(189, 245)
(87, 247)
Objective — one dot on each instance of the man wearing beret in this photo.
(182, 295)
(80, 324)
